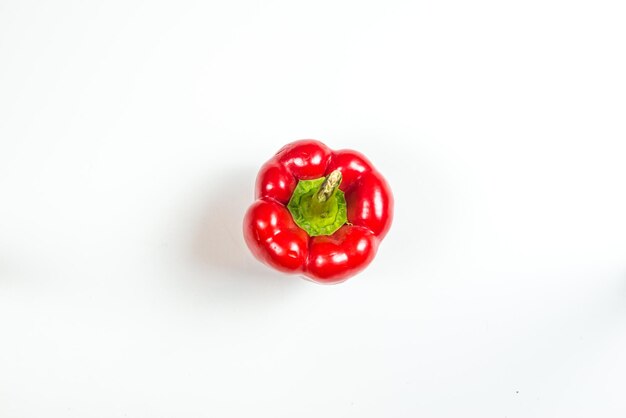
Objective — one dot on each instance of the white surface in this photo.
(130, 135)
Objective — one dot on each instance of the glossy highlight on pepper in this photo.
(326, 251)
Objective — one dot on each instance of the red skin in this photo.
(274, 238)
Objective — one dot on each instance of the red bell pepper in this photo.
(319, 212)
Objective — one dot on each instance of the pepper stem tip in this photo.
(328, 187)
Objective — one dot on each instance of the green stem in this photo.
(320, 199)
(318, 205)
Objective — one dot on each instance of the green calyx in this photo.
(318, 206)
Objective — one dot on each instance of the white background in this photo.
(130, 136)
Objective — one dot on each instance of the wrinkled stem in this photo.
(326, 191)
(329, 186)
